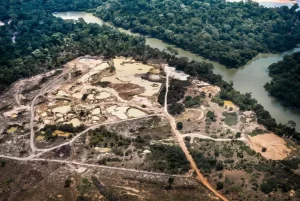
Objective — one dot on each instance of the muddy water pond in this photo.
(248, 78)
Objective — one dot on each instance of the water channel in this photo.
(248, 78)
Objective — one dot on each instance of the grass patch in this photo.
(257, 132)
(231, 118)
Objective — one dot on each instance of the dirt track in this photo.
(189, 157)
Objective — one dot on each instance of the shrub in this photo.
(67, 183)
(219, 167)
(266, 188)
(211, 115)
(179, 125)
(220, 185)
(238, 135)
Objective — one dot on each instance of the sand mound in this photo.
(276, 146)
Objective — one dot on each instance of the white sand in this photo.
(75, 122)
(120, 112)
(179, 75)
(90, 97)
(62, 93)
(103, 95)
(77, 95)
(62, 109)
(98, 68)
(133, 112)
(96, 111)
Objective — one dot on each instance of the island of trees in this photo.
(285, 83)
(230, 33)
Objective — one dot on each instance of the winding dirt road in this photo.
(57, 81)
(189, 157)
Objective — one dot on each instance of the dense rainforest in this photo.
(44, 42)
(285, 83)
(230, 33)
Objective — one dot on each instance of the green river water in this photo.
(248, 78)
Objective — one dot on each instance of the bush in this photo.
(176, 108)
(266, 188)
(219, 167)
(269, 186)
(3, 163)
(211, 115)
(238, 135)
(179, 125)
(264, 149)
(220, 185)
(218, 100)
(67, 183)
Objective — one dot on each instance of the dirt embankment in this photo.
(270, 146)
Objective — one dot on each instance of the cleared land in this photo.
(98, 113)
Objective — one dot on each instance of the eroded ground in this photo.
(97, 113)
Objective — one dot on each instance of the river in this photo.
(248, 78)
(272, 3)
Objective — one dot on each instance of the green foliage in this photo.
(231, 118)
(218, 100)
(67, 183)
(238, 135)
(176, 91)
(206, 164)
(101, 137)
(219, 166)
(169, 159)
(179, 125)
(229, 32)
(220, 185)
(84, 186)
(268, 186)
(285, 83)
(49, 129)
(211, 115)
(176, 108)
(192, 102)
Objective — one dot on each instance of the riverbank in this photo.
(248, 78)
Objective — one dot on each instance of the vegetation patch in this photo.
(231, 118)
(169, 159)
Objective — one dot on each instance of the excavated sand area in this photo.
(276, 146)
(128, 71)
(213, 90)
(194, 114)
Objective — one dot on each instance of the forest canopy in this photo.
(44, 42)
(231, 33)
(285, 83)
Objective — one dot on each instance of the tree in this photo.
(170, 181)
(238, 135)
(210, 115)
(176, 108)
(219, 166)
(266, 188)
(179, 125)
(67, 183)
(220, 185)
